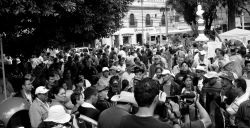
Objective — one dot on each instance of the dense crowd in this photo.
(128, 87)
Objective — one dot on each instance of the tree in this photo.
(35, 24)
(188, 9)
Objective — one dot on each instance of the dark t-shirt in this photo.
(193, 124)
(132, 121)
(111, 118)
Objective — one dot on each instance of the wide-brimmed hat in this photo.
(58, 114)
(201, 68)
(211, 74)
(167, 72)
(227, 75)
(126, 97)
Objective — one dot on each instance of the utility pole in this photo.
(166, 19)
(142, 22)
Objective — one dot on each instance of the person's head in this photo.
(58, 94)
(91, 95)
(114, 84)
(105, 72)
(247, 65)
(184, 66)
(226, 83)
(158, 71)
(240, 86)
(146, 92)
(200, 71)
(180, 59)
(42, 93)
(27, 85)
(102, 92)
(51, 78)
(137, 60)
(157, 59)
(77, 98)
(219, 53)
(125, 85)
(188, 81)
(125, 100)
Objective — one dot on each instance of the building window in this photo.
(132, 19)
(163, 22)
(148, 20)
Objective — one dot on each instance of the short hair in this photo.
(54, 91)
(23, 80)
(90, 91)
(74, 97)
(146, 91)
(112, 79)
(125, 83)
(185, 62)
(241, 83)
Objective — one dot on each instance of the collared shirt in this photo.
(38, 112)
(88, 105)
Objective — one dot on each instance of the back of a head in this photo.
(146, 91)
(90, 91)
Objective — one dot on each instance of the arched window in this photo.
(163, 20)
(132, 19)
(147, 19)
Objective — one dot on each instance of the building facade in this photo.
(145, 22)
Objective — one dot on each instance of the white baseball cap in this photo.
(41, 90)
(105, 69)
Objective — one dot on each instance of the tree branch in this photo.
(243, 8)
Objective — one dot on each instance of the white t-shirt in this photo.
(129, 77)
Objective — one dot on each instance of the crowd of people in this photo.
(168, 86)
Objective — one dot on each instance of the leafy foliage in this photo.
(35, 24)
(188, 9)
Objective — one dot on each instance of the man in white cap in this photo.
(104, 80)
(110, 118)
(39, 108)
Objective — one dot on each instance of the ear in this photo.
(156, 99)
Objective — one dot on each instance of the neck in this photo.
(241, 93)
(248, 75)
(122, 107)
(88, 101)
(28, 92)
(145, 111)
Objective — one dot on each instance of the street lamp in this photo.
(201, 37)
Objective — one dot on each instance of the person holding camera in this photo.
(148, 97)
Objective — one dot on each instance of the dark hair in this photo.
(188, 76)
(112, 79)
(241, 83)
(125, 83)
(23, 80)
(74, 97)
(145, 92)
(54, 91)
(50, 74)
(185, 63)
(90, 91)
